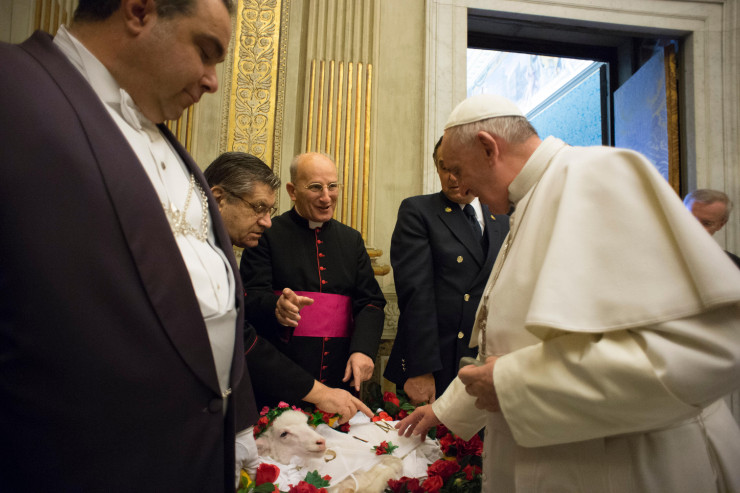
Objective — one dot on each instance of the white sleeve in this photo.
(246, 455)
(580, 386)
(455, 408)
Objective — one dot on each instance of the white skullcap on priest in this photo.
(481, 107)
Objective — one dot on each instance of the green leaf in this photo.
(264, 488)
(407, 406)
(315, 479)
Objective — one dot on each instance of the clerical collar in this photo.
(310, 224)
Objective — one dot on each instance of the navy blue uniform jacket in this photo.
(440, 271)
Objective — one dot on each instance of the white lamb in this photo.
(293, 445)
(289, 435)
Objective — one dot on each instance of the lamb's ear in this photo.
(263, 446)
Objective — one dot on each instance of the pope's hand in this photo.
(418, 423)
(478, 381)
(288, 307)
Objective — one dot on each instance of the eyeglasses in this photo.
(318, 187)
(259, 209)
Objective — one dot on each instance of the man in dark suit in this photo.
(121, 366)
(442, 251)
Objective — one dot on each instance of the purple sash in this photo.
(330, 315)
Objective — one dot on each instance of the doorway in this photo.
(584, 86)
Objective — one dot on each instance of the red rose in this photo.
(414, 486)
(382, 448)
(344, 428)
(401, 414)
(446, 442)
(471, 471)
(474, 446)
(433, 483)
(391, 397)
(442, 431)
(443, 468)
(304, 487)
(398, 486)
(266, 473)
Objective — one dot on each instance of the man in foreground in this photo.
(310, 288)
(442, 251)
(609, 328)
(121, 357)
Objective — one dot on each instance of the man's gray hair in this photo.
(513, 129)
(238, 172)
(708, 196)
(297, 160)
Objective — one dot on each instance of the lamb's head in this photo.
(289, 435)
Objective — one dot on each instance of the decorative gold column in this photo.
(253, 114)
(50, 14)
(339, 114)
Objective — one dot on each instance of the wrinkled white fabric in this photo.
(348, 454)
(616, 319)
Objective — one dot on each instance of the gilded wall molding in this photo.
(254, 76)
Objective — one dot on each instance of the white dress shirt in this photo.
(211, 276)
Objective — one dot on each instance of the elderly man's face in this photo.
(450, 186)
(475, 174)
(711, 216)
(248, 216)
(315, 190)
(176, 59)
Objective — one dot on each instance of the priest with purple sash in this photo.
(309, 285)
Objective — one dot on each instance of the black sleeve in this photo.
(368, 304)
(273, 374)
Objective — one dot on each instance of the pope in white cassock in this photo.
(609, 328)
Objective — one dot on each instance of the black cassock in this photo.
(331, 259)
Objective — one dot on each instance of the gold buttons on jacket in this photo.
(447, 209)
(459, 259)
(460, 335)
(466, 297)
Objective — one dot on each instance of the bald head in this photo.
(313, 186)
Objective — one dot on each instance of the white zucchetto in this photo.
(481, 107)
